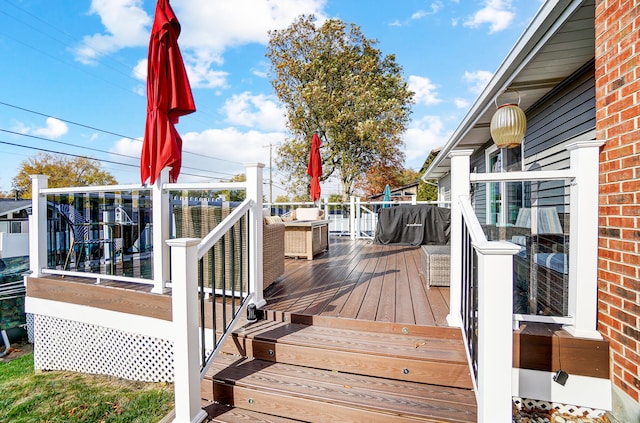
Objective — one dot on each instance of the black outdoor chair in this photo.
(81, 234)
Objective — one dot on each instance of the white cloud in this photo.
(255, 111)
(55, 129)
(126, 25)
(497, 13)
(477, 80)
(230, 147)
(424, 89)
(461, 103)
(423, 135)
(208, 29)
(434, 8)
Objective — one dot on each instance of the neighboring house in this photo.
(403, 193)
(576, 74)
(14, 228)
(14, 260)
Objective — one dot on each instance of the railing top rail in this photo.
(97, 188)
(223, 227)
(537, 175)
(204, 186)
(475, 230)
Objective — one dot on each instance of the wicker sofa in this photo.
(199, 220)
(272, 252)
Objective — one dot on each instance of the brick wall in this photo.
(618, 123)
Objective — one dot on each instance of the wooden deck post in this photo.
(583, 236)
(184, 302)
(254, 192)
(495, 335)
(160, 228)
(459, 187)
(38, 226)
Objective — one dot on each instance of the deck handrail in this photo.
(486, 306)
(188, 295)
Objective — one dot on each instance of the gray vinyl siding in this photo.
(568, 112)
(555, 122)
(479, 197)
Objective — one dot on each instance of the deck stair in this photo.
(340, 370)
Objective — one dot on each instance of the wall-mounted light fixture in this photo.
(508, 125)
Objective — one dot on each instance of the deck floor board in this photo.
(360, 280)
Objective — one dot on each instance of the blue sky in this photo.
(72, 74)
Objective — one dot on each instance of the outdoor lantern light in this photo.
(508, 125)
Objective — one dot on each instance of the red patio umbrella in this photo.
(168, 97)
(314, 168)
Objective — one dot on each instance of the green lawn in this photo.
(66, 396)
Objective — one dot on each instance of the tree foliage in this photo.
(377, 178)
(63, 171)
(428, 190)
(333, 80)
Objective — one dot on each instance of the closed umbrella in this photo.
(168, 97)
(386, 195)
(314, 168)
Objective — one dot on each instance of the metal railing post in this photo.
(352, 217)
(184, 302)
(459, 187)
(160, 231)
(38, 226)
(254, 193)
(583, 235)
(495, 335)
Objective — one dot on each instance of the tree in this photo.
(428, 190)
(333, 80)
(63, 171)
(378, 177)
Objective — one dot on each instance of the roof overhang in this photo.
(559, 40)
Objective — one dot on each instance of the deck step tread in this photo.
(334, 392)
(439, 361)
(219, 413)
(381, 344)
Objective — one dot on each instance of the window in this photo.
(504, 199)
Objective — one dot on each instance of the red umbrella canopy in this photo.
(168, 97)
(314, 167)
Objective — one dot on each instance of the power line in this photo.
(93, 128)
(45, 150)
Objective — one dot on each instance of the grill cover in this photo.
(413, 225)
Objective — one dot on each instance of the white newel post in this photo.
(160, 231)
(38, 226)
(184, 302)
(460, 160)
(254, 192)
(495, 334)
(352, 217)
(583, 239)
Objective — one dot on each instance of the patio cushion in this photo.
(272, 219)
(307, 213)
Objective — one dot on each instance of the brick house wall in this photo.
(617, 50)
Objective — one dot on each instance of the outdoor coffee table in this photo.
(306, 238)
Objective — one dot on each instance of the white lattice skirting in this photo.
(61, 344)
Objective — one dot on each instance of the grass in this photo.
(66, 396)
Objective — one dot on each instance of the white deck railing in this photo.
(184, 254)
(483, 270)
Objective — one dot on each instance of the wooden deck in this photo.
(363, 281)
